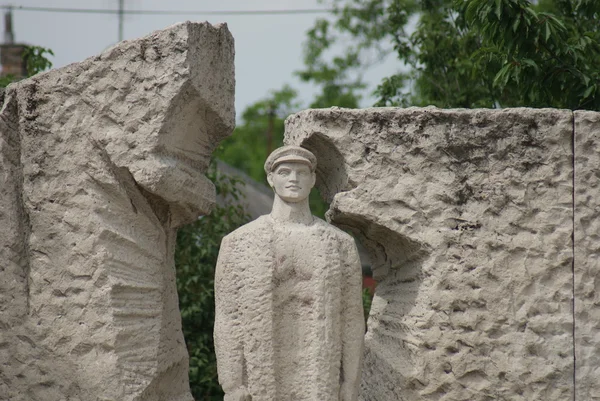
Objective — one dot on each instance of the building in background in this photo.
(11, 53)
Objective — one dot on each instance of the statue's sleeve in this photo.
(353, 320)
(227, 332)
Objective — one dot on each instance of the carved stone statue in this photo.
(289, 322)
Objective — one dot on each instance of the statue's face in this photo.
(291, 181)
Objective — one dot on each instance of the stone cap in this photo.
(290, 154)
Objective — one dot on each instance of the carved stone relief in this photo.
(100, 162)
(468, 215)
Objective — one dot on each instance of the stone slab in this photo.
(587, 255)
(100, 162)
(468, 217)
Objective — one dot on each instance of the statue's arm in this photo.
(353, 325)
(227, 332)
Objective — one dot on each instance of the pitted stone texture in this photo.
(100, 162)
(468, 216)
(587, 254)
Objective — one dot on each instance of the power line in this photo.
(168, 12)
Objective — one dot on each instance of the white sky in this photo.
(268, 47)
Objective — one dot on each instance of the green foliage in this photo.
(7, 80)
(247, 149)
(443, 73)
(195, 260)
(339, 77)
(462, 53)
(544, 59)
(36, 59)
(367, 298)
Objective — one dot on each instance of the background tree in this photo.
(259, 131)
(36, 59)
(195, 260)
(467, 53)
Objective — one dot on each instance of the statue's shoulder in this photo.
(255, 227)
(333, 231)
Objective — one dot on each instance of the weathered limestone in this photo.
(289, 322)
(468, 215)
(587, 255)
(100, 161)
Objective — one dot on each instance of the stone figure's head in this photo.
(291, 172)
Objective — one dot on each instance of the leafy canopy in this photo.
(247, 149)
(462, 53)
(195, 260)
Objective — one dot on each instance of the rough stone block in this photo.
(587, 255)
(468, 215)
(100, 161)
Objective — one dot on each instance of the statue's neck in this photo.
(289, 212)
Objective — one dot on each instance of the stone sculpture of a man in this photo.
(289, 320)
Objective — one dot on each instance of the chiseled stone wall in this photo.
(587, 255)
(100, 162)
(469, 216)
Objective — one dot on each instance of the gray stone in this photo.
(468, 215)
(587, 255)
(100, 162)
(289, 323)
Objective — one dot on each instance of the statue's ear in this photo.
(314, 179)
(270, 179)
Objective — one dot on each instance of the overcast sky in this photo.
(268, 47)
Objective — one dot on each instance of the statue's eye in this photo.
(283, 172)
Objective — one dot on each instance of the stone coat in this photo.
(249, 354)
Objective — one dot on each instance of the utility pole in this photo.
(121, 13)
(9, 36)
(11, 53)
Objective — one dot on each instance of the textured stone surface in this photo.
(100, 161)
(289, 323)
(587, 254)
(468, 215)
